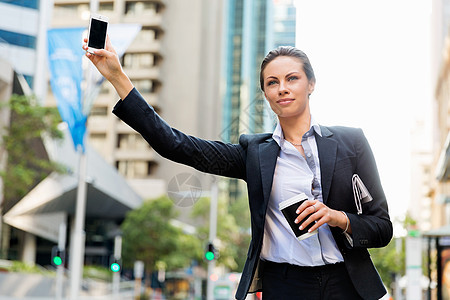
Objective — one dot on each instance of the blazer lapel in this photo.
(327, 148)
(268, 154)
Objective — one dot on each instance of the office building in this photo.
(21, 24)
(174, 62)
(252, 28)
(440, 192)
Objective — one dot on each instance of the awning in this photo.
(438, 232)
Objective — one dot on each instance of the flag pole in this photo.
(77, 253)
(78, 236)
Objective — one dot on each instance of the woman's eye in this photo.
(271, 82)
(292, 78)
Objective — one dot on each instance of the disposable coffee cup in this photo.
(289, 208)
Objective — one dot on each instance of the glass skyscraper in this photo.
(252, 28)
(18, 35)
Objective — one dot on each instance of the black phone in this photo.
(98, 27)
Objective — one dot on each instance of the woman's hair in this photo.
(291, 52)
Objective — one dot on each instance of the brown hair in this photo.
(291, 52)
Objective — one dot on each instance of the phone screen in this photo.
(97, 34)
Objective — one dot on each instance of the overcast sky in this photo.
(371, 61)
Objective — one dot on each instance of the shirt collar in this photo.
(278, 135)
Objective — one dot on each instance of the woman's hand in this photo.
(108, 64)
(321, 214)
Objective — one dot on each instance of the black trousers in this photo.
(285, 281)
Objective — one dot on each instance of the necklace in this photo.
(295, 144)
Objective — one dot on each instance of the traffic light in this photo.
(58, 256)
(210, 253)
(115, 264)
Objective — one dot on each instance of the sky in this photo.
(371, 60)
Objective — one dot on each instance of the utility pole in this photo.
(212, 237)
(78, 238)
(116, 275)
(60, 268)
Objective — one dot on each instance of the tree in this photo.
(390, 260)
(149, 236)
(27, 162)
(233, 230)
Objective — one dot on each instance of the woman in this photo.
(300, 156)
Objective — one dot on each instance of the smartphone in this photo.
(98, 27)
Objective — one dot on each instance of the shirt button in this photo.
(309, 154)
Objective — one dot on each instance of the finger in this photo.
(109, 45)
(103, 52)
(316, 225)
(304, 205)
(306, 208)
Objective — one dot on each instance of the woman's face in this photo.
(286, 87)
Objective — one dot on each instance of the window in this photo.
(147, 85)
(132, 141)
(141, 8)
(138, 60)
(135, 168)
(97, 140)
(146, 35)
(99, 111)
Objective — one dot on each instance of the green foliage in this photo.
(97, 272)
(28, 123)
(149, 236)
(22, 267)
(233, 231)
(389, 261)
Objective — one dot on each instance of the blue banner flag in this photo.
(65, 61)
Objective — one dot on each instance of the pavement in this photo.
(40, 287)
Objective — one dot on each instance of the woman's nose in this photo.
(282, 89)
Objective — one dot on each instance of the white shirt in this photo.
(295, 174)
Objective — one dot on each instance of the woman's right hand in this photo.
(105, 60)
(108, 64)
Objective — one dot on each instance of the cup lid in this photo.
(290, 201)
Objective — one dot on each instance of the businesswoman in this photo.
(300, 156)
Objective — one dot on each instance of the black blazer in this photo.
(343, 152)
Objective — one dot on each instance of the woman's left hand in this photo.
(321, 214)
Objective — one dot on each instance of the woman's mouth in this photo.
(285, 101)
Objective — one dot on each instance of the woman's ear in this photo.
(311, 86)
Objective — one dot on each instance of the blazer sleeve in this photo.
(373, 228)
(213, 157)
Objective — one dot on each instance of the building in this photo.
(19, 34)
(441, 205)
(441, 111)
(284, 23)
(23, 28)
(252, 28)
(175, 66)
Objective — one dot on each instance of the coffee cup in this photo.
(289, 208)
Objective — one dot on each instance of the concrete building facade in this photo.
(175, 63)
